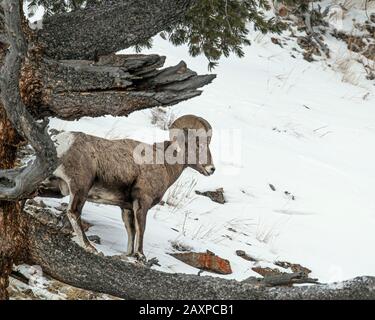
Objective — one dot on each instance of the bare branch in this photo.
(17, 184)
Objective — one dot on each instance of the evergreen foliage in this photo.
(214, 28)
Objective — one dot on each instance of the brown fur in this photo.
(104, 171)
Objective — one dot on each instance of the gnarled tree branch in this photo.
(102, 30)
(66, 261)
(17, 184)
(115, 85)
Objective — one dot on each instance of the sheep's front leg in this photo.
(77, 201)
(128, 218)
(140, 208)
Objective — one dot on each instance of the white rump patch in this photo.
(63, 143)
(64, 186)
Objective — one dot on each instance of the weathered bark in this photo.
(12, 230)
(16, 184)
(114, 85)
(115, 25)
(64, 260)
(14, 116)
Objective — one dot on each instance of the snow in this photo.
(276, 120)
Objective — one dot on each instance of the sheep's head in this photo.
(193, 136)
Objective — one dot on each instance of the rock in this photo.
(293, 266)
(245, 256)
(216, 196)
(205, 261)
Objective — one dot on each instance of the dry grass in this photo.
(181, 193)
(207, 233)
(267, 233)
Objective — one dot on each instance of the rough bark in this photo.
(16, 184)
(12, 229)
(64, 260)
(114, 85)
(115, 25)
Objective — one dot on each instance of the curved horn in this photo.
(191, 122)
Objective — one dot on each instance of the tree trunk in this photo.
(66, 261)
(12, 229)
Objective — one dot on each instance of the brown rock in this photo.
(295, 267)
(205, 261)
(216, 196)
(245, 256)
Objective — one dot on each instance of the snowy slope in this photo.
(277, 120)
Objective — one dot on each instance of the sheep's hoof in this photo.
(129, 254)
(140, 257)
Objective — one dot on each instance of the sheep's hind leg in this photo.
(128, 218)
(77, 201)
(140, 209)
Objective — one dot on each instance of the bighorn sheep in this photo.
(112, 172)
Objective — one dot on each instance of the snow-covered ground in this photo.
(277, 120)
